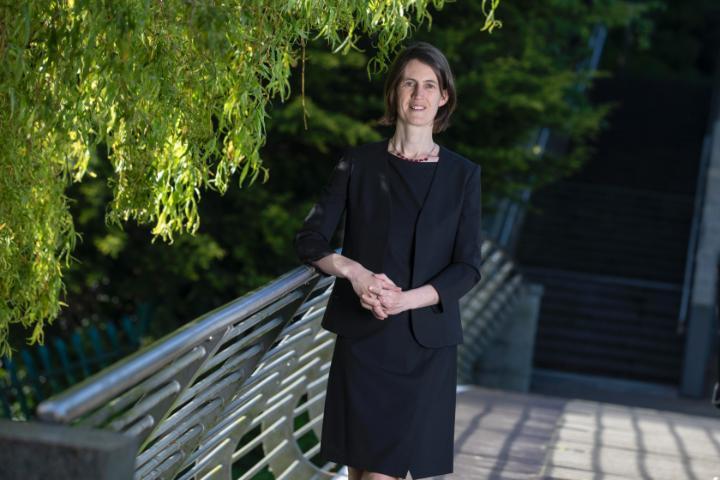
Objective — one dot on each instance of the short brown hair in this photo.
(432, 57)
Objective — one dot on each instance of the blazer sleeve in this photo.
(312, 240)
(463, 272)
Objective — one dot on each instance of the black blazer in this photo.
(447, 239)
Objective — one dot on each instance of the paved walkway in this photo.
(507, 435)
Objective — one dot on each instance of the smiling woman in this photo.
(420, 83)
(390, 403)
(419, 97)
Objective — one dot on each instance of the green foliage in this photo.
(172, 94)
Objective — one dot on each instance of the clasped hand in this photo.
(380, 295)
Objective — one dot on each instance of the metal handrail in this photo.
(694, 235)
(713, 117)
(93, 392)
(244, 377)
(716, 391)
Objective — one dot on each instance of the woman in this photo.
(411, 250)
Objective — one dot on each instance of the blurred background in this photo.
(595, 125)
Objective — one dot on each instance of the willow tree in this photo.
(172, 92)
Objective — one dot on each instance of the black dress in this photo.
(390, 404)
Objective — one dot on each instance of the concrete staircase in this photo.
(609, 244)
(611, 261)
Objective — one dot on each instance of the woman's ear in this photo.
(444, 97)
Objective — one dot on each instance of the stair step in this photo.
(612, 192)
(648, 260)
(601, 364)
(553, 205)
(635, 345)
(551, 322)
(668, 235)
(594, 306)
(630, 270)
(545, 346)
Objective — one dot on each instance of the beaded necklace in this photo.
(424, 159)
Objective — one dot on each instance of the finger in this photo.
(390, 285)
(383, 301)
(386, 280)
(375, 289)
(386, 289)
(370, 299)
(376, 310)
(380, 312)
(392, 288)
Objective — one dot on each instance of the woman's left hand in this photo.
(394, 302)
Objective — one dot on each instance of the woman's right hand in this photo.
(368, 286)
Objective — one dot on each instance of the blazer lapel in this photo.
(379, 202)
(435, 206)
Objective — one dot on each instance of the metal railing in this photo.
(716, 389)
(700, 187)
(241, 389)
(690, 256)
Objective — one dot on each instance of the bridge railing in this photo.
(240, 390)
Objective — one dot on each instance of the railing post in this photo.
(507, 363)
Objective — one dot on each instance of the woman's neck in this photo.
(412, 142)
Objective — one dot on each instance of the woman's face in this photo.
(419, 95)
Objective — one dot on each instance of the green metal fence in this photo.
(41, 371)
